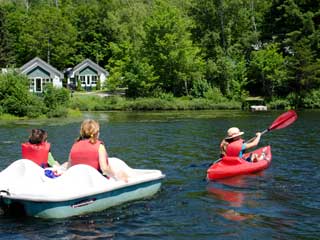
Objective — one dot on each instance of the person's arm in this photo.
(103, 161)
(106, 168)
(255, 142)
(69, 162)
(223, 147)
(51, 161)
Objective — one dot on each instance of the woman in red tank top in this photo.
(88, 149)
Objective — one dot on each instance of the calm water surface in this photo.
(279, 203)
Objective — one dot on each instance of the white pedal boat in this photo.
(80, 190)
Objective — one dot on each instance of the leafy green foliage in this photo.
(164, 102)
(312, 100)
(98, 86)
(169, 48)
(267, 66)
(55, 97)
(218, 50)
(131, 71)
(16, 99)
(6, 56)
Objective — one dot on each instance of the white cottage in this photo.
(88, 73)
(41, 73)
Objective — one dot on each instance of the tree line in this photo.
(193, 48)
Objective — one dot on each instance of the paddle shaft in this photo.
(263, 132)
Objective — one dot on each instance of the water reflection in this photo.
(89, 230)
(234, 192)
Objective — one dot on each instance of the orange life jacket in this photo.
(84, 152)
(234, 148)
(37, 153)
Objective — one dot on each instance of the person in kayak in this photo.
(37, 149)
(89, 150)
(234, 146)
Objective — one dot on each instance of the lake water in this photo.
(279, 203)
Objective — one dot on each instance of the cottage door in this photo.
(38, 85)
(88, 81)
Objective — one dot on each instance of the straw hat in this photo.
(234, 132)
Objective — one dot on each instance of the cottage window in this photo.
(45, 81)
(83, 80)
(31, 84)
(94, 80)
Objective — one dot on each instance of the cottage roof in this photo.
(88, 63)
(39, 62)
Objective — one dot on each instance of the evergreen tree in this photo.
(304, 71)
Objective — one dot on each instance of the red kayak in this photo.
(233, 166)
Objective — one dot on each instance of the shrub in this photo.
(98, 86)
(199, 88)
(58, 112)
(79, 88)
(74, 113)
(15, 97)
(215, 95)
(56, 97)
(279, 104)
(166, 96)
(86, 103)
(312, 100)
(35, 107)
(166, 102)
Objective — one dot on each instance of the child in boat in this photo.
(88, 149)
(37, 149)
(234, 146)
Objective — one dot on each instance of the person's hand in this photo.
(56, 169)
(258, 134)
(122, 175)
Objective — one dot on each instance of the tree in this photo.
(48, 35)
(131, 70)
(296, 28)
(6, 53)
(12, 22)
(168, 46)
(303, 71)
(227, 31)
(93, 30)
(267, 67)
(129, 67)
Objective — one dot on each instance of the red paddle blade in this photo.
(284, 120)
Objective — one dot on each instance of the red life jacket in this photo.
(234, 148)
(37, 153)
(84, 152)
